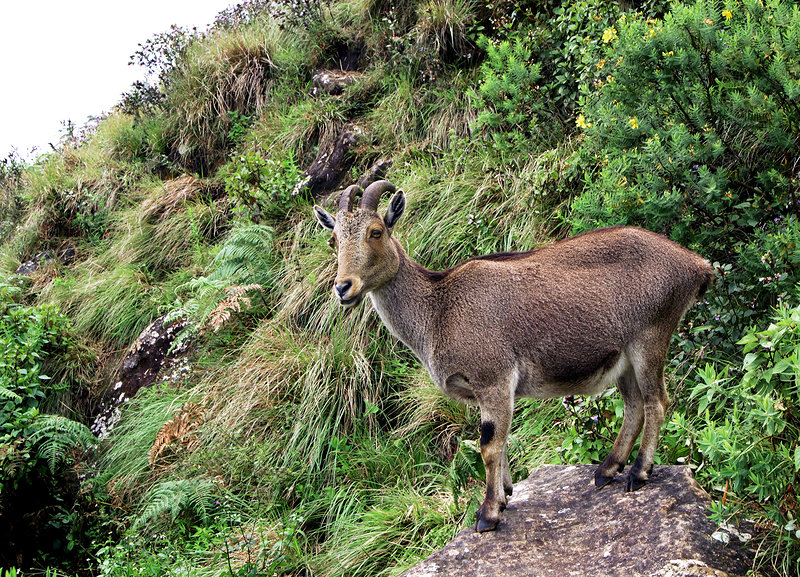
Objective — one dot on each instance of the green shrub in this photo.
(508, 97)
(742, 429)
(262, 187)
(569, 44)
(29, 440)
(692, 134)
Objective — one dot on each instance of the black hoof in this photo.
(484, 525)
(508, 491)
(634, 484)
(601, 481)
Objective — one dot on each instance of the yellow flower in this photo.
(580, 122)
(609, 35)
(633, 122)
(728, 14)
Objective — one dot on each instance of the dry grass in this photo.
(234, 70)
(173, 195)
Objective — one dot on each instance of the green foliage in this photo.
(742, 429)
(28, 335)
(591, 427)
(569, 45)
(444, 28)
(244, 264)
(239, 127)
(508, 97)
(194, 498)
(693, 134)
(55, 437)
(11, 171)
(262, 187)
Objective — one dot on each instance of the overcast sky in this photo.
(68, 59)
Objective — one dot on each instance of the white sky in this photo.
(68, 59)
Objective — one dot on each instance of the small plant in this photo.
(262, 187)
(591, 426)
(239, 127)
(508, 96)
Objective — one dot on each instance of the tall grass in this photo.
(229, 71)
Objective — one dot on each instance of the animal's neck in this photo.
(405, 304)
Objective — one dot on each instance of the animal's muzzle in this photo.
(348, 292)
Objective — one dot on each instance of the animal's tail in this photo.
(706, 279)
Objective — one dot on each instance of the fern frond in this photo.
(171, 498)
(55, 437)
(179, 430)
(6, 393)
(246, 257)
(233, 303)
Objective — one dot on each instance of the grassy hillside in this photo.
(304, 440)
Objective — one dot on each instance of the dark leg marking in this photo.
(487, 432)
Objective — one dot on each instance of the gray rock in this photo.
(329, 168)
(333, 82)
(558, 524)
(65, 255)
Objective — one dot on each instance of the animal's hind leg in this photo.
(654, 393)
(628, 433)
(496, 412)
(508, 484)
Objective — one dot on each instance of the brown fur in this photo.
(569, 318)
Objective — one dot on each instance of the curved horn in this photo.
(348, 198)
(372, 196)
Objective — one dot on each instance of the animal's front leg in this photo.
(496, 412)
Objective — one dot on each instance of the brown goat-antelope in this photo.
(566, 319)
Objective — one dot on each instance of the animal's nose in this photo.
(342, 288)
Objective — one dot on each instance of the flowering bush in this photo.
(694, 133)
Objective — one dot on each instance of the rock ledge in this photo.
(558, 524)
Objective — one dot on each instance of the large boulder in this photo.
(558, 524)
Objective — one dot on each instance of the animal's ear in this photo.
(396, 207)
(325, 219)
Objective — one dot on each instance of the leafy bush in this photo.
(693, 133)
(29, 439)
(508, 97)
(742, 427)
(569, 44)
(262, 187)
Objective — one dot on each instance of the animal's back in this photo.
(569, 307)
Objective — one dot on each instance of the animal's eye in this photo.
(376, 233)
(332, 242)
